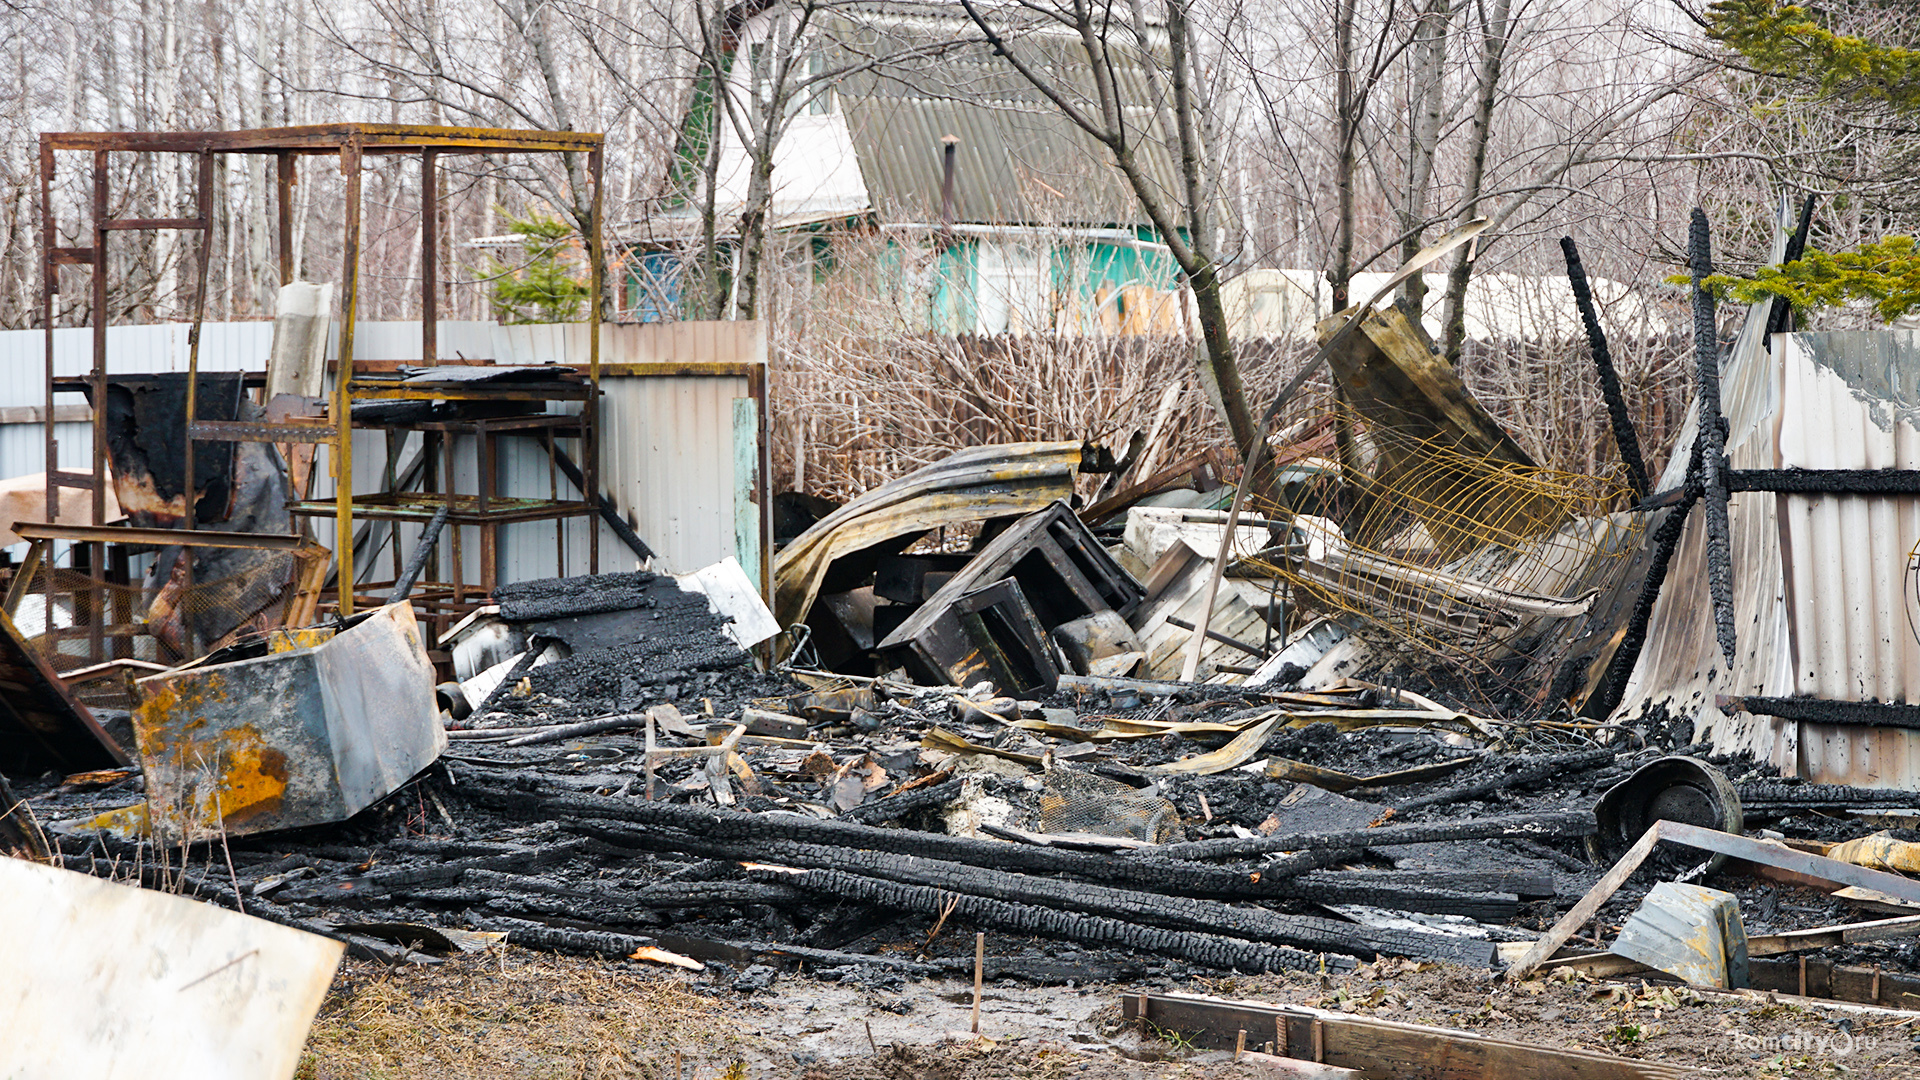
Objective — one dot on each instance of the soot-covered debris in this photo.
(863, 828)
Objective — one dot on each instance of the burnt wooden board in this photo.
(1381, 1049)
(42, 725)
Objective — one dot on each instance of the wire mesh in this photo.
(1081, 802)
(83, 622)
(1471, 558)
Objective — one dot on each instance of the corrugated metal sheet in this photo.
(1849, 403)
(1681, 667)
(667, 443)
(667, 449)
(1019, 159)
(1823, 596)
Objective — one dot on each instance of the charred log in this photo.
(895, 807)
(535, 935)
(1545, 768)
(1208, 950)
(730, 834)
(1566, 825)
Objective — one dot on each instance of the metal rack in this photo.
(350, 144)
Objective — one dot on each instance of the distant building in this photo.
(1040, 232)
(1277, 303)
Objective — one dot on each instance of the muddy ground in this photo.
(513, 1013)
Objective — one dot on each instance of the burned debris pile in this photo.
(1363, 705)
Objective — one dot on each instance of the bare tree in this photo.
(1185, 219)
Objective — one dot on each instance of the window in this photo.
(1011, 289)
(820, 95)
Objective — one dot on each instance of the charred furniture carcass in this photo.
(314, 726)
(993, 617)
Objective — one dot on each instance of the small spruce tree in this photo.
(545, 286)
(1798, 43)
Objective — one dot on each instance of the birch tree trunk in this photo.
(1494, 38)
(1346, 133)
(1428, 81)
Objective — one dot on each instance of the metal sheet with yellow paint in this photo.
(112, 982)
(311, 732)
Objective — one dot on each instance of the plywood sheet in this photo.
(112, 982)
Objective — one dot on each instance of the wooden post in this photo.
(285, 177)
(49, 284)
(99, 372)
(979, 971)
(97, 552)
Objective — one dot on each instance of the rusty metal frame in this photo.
(350, 144)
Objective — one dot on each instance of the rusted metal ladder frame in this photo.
(342, 456)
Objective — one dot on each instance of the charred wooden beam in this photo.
(1154, 909)
(1252, 884)
(1826, 481)
(1780, 312)
(1524, 884)
(1208, 950)
(535, 935)
(1666, 540)
(1542, 851)
(1544, 768)
(724, 832)
(673, 894)
(1823, 711)
(895, 807)
(1345, 887)
(426, 875)
(422, 550)
(1713, 435)
(1765, 796)
(1624, 435)
(1564, 825)
(746, 952)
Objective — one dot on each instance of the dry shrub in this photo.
(862, 394)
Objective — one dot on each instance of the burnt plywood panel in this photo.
(42, 726)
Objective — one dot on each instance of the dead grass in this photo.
(523, 1016)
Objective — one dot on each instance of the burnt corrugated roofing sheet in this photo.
(1823, 585)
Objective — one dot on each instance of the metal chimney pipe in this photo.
(951, 144)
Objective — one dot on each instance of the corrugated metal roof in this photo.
(1019, 159)
(1823, 596)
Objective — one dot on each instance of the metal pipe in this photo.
(418, 560)
(590, 412)
(342, 401)
(1250, 650)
